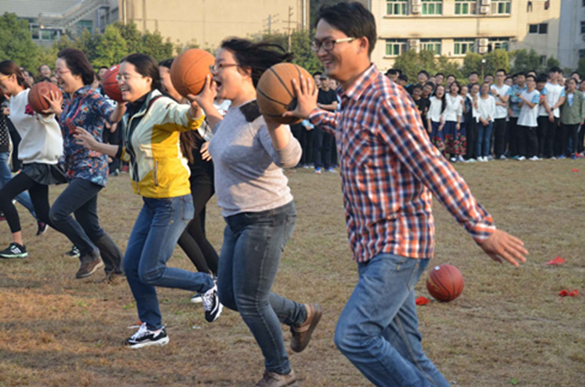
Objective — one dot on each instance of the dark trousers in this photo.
(114, 138)
(334, 161)
(531, 141)
(581, 139)
(500, 128)
(569, 132)
(15, 137)
(541, 133)
(550, 136)
(517, 138)
(471, 152)
(39, 196)
(307, 146)
(193, 240)
(322, 148)
(297, 132)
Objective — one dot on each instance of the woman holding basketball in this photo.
(193, 240)
(40, 149)
(249, 153)
(160, 175)
(86, 170)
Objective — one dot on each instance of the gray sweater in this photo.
(248, 170)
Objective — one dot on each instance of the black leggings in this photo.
(193, 240)
(39, 196)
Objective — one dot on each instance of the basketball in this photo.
(275, 92)
(36, 95)
(110, 84)
(189, 70)
(445, 283)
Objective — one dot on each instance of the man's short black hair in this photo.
(437, 74)
(317, 73)
(425, 73)
(520, 73)
(541, 78)
(555, 69)
(431, 84)
(353, 19)
(473, 72)
(531, 76)
(489, 75)
(417, 86)
(403, 77)
(392, 72)
(501, 71)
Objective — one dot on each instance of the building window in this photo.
(397, 7)
(498, 44)
(583, 26)
(431, 45)
(463, 46)
(538, 28)
(465, 7)
(85, 25)
(395, 47)
(582, 52)
(432, 7)
(501, 7)
(543, 60)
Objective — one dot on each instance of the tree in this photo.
(551, 62)
(581, 66)
(154, 45)
(410, 63)
(447, 67)
(495, 60)
(526, 61)
(110, 49)
(16, 43)
(471, 63)
(300, 47)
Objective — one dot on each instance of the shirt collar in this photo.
(79, 92)
(361, 84)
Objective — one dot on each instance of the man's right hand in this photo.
(306, 98)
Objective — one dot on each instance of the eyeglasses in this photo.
(126, 77)
(59, 72)
(328, 44)
(215, 68)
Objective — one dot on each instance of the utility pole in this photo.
(290, 14)
(270, 21)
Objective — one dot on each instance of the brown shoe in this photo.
(301, 335)
(89, 266)
(272, 379)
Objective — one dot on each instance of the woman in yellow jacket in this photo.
(160, 174)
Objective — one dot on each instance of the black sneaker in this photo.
(145, 337)
(73, 253)
(88, 266)
(42, 228)
(14, 251)
(212, 305)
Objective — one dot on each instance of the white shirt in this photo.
(553, 94)
(42, 141)
(453, 108)
(434, 113)
(529, 116)
(501, 111)
(486, 108)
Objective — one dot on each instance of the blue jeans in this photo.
(5, 176)
(378, 328)
(484, 138)
(252, 246)
(152, 242)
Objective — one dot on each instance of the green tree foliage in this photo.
(551, 62)
(581, 67)
(110, 49)
(300, 46)
(495, 60)
(447, 67)
(471, 63)
(16, 43)
(524, 60)
(411, 62)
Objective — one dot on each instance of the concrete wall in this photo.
(572, 42)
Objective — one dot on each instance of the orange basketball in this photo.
(189, 70)
(445, 283)
(36, 95)
(275, 92)
(110, 84)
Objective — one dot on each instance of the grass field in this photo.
(509, 327)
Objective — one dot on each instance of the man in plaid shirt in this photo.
(389, 171)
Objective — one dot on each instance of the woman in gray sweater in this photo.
(249, 153)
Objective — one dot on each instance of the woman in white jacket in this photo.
(486, 107)
(40, 149)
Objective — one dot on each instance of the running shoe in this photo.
(14, 251)
(212, 305)
(73, 253)
(197, 298)
(42, 228)
(145, 337)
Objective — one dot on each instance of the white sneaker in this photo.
(453, 159)
(490, 158)
(197, 298)
(521, 158)
(145, 337)
(471, 161)
(460, 159)
(502, 157)
(534, 158)
(212, 305)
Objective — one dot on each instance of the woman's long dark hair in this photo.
(9, 67)
(147, 67)
(443, 103)
(78, 63)
(258, 57)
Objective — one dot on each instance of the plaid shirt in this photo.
(389, 169)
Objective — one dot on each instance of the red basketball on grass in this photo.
(445, 283)
(275, 93)
(110, 84)
(189, 70)
(36, 95)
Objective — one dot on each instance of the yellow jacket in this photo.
(152, 147)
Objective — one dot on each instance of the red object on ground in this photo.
(575, 170)
(422, 300)
(566, 293)
(557, 261)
